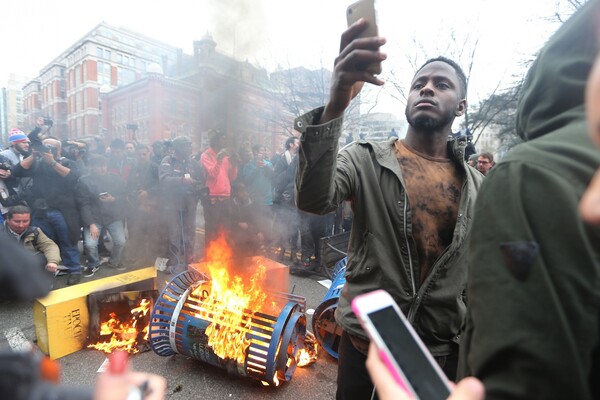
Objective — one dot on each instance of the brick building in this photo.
(69, 86)
(115, 83)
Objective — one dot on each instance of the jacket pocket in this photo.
(365, 260)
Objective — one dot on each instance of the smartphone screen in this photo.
(405, 355)
(411, 359)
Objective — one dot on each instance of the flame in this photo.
(309, 353)
(233, 299)
(124, 334)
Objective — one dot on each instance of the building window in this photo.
(125, 76)
(107, 54)
(77, 74)
(103, 73)
(99, 52)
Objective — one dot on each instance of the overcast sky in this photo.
(288, 33)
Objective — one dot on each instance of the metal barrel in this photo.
(327, 332)
(178, 326)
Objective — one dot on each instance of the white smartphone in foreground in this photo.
(365, 9)
(400, 347)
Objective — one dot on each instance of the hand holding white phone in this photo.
(401, 349)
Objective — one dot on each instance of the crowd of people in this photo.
(129, 203)
(497, 269)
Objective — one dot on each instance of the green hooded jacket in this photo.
(532, 328)
(382, 253)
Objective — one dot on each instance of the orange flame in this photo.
(309, 353)
(233, 299)
(124, 334)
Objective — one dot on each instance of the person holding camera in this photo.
(13, 189)
(7, 185)
(52, 199)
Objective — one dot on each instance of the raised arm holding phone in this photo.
(394, 242)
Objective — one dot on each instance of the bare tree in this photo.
(299, 90)
(296, 91)
(564, 9)
(461, 48)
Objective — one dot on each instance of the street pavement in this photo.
(187, 378)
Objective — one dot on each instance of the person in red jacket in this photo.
(221, 170)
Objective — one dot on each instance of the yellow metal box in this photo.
(61, 319)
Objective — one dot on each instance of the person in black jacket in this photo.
(287, 219)
(102, 196)
(52, 200)
(181, 180)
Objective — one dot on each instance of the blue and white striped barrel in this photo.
(326, 330)
(177, 327)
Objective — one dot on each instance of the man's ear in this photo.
(461, 108)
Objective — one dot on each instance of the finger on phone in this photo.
(352, 32)
(469, 388)
(386, 385)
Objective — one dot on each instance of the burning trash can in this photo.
(119, 320)
(199, 316)
(327, 332)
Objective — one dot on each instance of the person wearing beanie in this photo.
(19, 146)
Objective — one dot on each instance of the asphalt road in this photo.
(188, 378)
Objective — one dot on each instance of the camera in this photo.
(39, 146)
(48, 121)
(5, 165)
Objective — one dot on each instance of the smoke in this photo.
(239, 27)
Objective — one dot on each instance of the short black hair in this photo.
(18, 209)
(289, 141)
(459, 72)
(117, 144)
(256, 148)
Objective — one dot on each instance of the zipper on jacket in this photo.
(442, 258)
(410, 261)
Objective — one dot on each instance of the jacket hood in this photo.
(553, 92)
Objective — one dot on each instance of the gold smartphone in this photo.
(365, 9)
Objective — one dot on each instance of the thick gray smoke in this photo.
(239, 26)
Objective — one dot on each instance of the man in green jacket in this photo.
(533, 325)
(18, 226)
(412, 201)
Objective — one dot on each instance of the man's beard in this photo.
(23, 152)
(429, 124)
